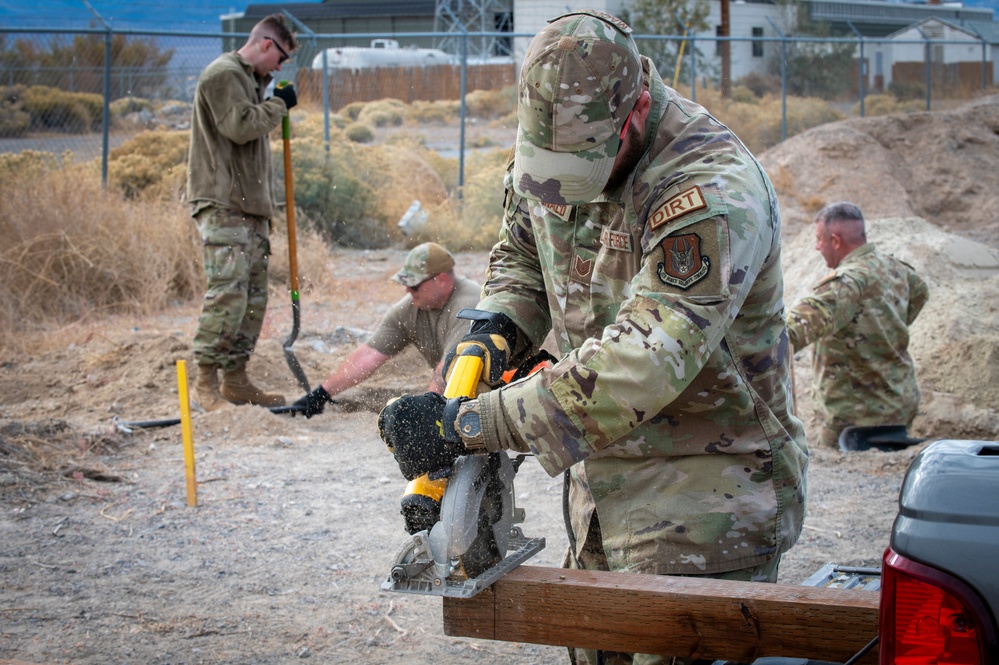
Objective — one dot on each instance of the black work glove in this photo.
(312, 404)
(419, 430)
(496, 334)
(287, 93)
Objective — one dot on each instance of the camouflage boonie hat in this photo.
(581, 78)
(423, 262)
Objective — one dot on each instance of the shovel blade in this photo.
(886, 438)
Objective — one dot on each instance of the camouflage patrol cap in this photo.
(423, 262)
(581, 78)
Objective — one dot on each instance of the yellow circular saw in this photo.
(476, 539)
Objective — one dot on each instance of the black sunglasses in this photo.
(284, 54)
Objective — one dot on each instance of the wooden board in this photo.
(677, 616)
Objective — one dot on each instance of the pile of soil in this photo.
(297, 520)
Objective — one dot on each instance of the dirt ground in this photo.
(297, 521)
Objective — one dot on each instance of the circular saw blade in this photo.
(477, 509)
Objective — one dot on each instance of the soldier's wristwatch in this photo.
(468, 424)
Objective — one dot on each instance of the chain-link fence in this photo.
(88, 91)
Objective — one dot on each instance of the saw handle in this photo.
(421, 499)
(467, 372)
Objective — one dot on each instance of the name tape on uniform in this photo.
(679, 205)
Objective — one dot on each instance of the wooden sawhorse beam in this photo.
(678, 616)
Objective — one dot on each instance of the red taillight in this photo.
(928, 617)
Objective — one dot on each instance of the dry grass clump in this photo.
(14, 119)
(311, 253)
(56, 110)
(72, 251)
(439, 112)
(491, 103)
(153, 164)
(384, 113)
(125, 105)
(476, 224)
(359, 132)
(758, 123)
(885, 104)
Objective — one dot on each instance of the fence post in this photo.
(106, 121)
(862, 66)
(326, 101)
(783, 79)
(464, 85)
(985, 58)
(927, 67)
(693, 68)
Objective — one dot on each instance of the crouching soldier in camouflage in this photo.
(858, 320)
(230, 188)
(646, 236)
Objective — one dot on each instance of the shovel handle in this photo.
(289, 197)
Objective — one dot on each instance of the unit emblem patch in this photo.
(683, 265)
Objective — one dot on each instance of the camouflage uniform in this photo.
(858, 319)
(231, 190)
(671, 404)
(235, 248)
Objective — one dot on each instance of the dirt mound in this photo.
(928, 184)
(955, 340)
(941, 166)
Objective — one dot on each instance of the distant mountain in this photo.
(182, 15)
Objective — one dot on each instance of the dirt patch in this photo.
(297, 520)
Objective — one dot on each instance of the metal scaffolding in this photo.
(457, 17)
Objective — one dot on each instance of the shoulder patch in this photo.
(683, 264)
(559, 210)
(679, 205)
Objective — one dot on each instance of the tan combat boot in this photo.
(206, 387)
(236, 388)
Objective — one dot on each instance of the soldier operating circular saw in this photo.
(644, 235)
(466, 545)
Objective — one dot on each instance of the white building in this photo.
(956, 57)
(881, 22)
(746, 20)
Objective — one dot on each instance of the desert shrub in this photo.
(759, 124)
(339, 121)
(401, 172)
(759, 84)
(358, 132)
(445, 167)
(435, 112)
(72, 250)
(383, 113)
(903, 90)
(140, 165)
(26, 165)
(741, 93)
(886, 104)
(803, 113)
(311, 254)
(14, 120)
(56, 110)
(508, 120)
(125, 105)
(353, 110)
(491, 103)
(327, 188)
(477, 227)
